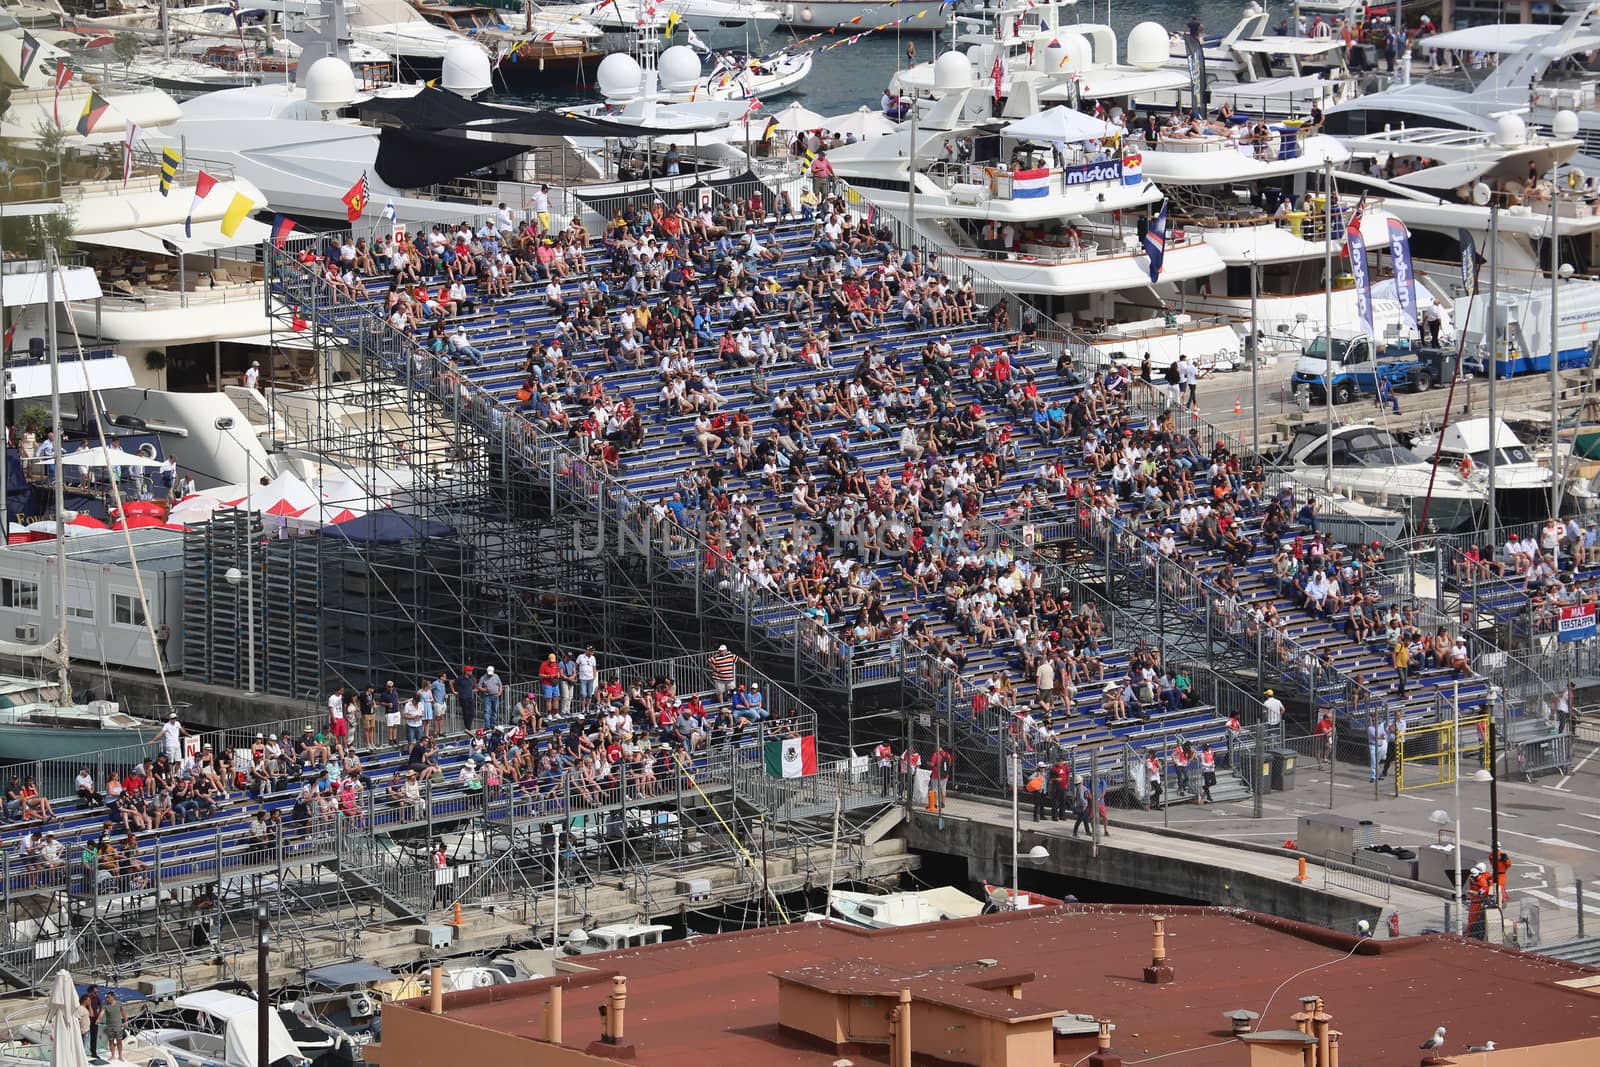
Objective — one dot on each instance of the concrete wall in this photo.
(987, 850)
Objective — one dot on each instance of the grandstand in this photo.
(882, 626)
(81, 888)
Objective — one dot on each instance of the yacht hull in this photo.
(20, 743)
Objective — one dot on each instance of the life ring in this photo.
(1464, 468)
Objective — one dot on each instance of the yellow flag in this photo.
(238, 208)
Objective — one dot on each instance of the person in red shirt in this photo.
(550, 684)
(941, 767)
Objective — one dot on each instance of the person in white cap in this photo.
(489, 688)
(722, 665)
(171, 736)
(252, 376)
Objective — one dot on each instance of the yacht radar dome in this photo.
(465, 70)
(1076, 55)
(679, 68)
(1147, 46)
(1510, 131)
(952, 71)
(1565, 125)
(330, 84)
(618, 77)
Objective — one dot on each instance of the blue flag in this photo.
(1358, 270)
(1405, 282)
(1155, 243)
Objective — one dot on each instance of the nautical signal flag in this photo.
(30, 52)
(673, 18)
(1155, 243)
(94, 110)
(203, 184)
(171, 160)
(63, 76)
(282, 227)
(238, 208)
(355, 201)
(791, 757)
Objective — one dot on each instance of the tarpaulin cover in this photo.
(410, 159)
(736, 188)
(436, 109)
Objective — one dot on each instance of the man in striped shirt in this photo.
(722, 664)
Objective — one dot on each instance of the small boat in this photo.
(580, 942)
(741, 77)
(1521, 483)
(881, 911)
(213, 1028)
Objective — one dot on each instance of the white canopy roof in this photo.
(795, 117)
(101, 456)
(206, 237)
(862, 123)
(238, 1016)
(1060, 123)
(1504, 38)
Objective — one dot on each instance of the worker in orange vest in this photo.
(1502, 864)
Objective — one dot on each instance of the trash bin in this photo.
(1282, 764)
(1260, 772)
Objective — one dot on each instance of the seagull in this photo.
(1435, 1041)
(1487, 1046)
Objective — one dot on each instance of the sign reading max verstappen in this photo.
(1577, 622)
(1109, 170)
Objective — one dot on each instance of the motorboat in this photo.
(613, 938)
(1263, 75)
(537, 47)
(851, 15)
(1369, 463)
(214, 1028)
(678, 76)
(882, 911)
(419, 47)
(715, 23)
(1521, 483)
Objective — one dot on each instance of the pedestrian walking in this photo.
(1080, 808)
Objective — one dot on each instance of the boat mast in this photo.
(64, 696)
(1327, 306)
(1494, 356)
(1555, 345)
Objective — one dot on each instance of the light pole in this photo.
(1037, 852)
(1563, 127)
(1252, 341)
(1455, 768)
(263, 924)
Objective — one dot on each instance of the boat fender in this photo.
(805, 14)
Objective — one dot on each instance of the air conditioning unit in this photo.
(27, 633)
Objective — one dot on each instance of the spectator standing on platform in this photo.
(549, 690)
(941, 768)
(883, 752)
(390, 700)
(94, 1007)
(441, 703)
(171, 736)
(722, 668)
(1272, 712)
(1082, 813)
(588, 680)
(569, 683)
(467, 696)
(489, 690)
(114, 1018)
(1060, 790)
(1377, 744)
(1397, 736)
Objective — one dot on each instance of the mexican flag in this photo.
(792, 757)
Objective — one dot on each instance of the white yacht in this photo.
(679, 76)
(1521, 483)
(1368, 463)
(1072, 208)
(1487, 71)
(1264, 75)
(419, 47)
(883, 911)
(222, 1031)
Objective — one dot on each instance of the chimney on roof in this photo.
(436, 989)
(1333, 1048)
(1321, 1027)
(619, 1006)
(1302, 1022)
(552, 1017)
(1103, 1056)
(1160, 971)
(900, 1054)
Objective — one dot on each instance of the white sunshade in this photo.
(66, 1042)
(1060, 123)
(795, 117)
(101, 456)
(862, 123)
(161, 240)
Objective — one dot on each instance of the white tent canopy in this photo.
(795, 117)
(1060, 123)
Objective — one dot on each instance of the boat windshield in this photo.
(1365, 447)
(1345, 349)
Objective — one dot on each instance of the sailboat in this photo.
(38, 719)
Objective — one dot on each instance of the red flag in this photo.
(355, 201)
(282, 227)
(63, 76)
(755, 105)
(203, 184)
(11, 332)
(999, 73)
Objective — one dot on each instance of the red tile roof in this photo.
(714, 999)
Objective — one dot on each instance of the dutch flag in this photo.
(1028, 184)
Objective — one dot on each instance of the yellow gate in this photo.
(1433, 755)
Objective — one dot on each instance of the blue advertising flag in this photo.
(1405, 282)
(1577, 622)
(1358, 270)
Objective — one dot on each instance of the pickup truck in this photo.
(1358, 366)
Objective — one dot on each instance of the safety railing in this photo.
(1346, 870)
